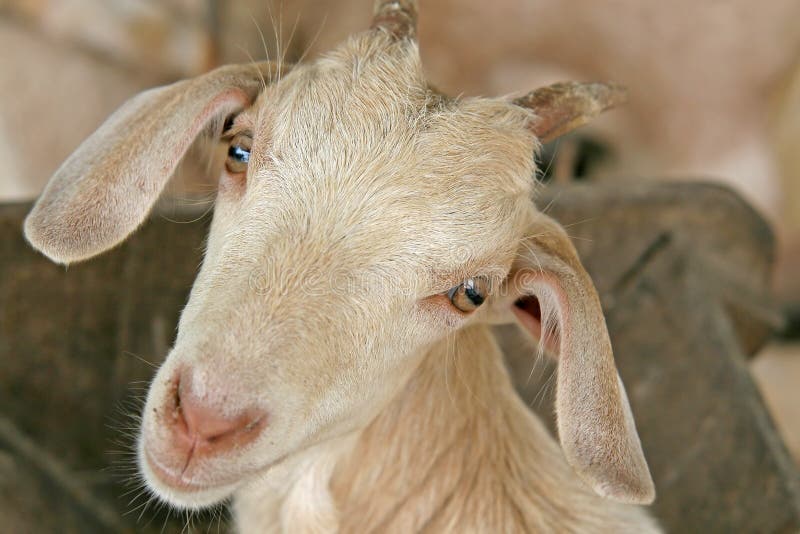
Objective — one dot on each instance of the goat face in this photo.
(361, 218)
(365, 199)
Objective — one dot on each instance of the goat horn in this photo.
(398, 17)
(562, 107)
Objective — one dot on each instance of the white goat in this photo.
(385, 407)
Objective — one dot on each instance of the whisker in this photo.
(266, 50)
(141, 359)
(314, 40)
(191, 221)
(291, 37)
(552, 159)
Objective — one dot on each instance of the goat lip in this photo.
(176, 478)
(182, 492)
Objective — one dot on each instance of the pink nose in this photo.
(206, 427)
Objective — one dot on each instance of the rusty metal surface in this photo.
(681, 269)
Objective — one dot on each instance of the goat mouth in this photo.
(184, 492)
(177, 479)
(181, 492)
(174, 478)
(183, 469)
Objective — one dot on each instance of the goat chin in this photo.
(187, 498)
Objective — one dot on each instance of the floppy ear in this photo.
(564, 106)
(106, 188)
(553, 298)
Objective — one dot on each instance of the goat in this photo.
(334, 368)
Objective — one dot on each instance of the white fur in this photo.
(322, 302)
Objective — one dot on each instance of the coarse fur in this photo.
(320, 317)
(492, 467)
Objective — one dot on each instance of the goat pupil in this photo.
(474, 296)
(239, 154)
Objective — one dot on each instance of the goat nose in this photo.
(207, 426)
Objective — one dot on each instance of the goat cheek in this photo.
(232, 184)
(439, 307)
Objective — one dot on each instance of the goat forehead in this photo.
(340, 111)
(366, 112)
(357, 164)
(410, 208)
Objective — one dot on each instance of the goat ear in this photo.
(554, 299)
(564, 106)
(107, 187)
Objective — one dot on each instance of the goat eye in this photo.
(238, 154)
(468, 296)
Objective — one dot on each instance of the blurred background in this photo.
(714, 85)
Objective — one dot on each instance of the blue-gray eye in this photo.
(238, 154)
(467, 297)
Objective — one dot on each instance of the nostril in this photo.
(205, 422)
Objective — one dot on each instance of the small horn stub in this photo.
(397, 17)
(564, 106)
